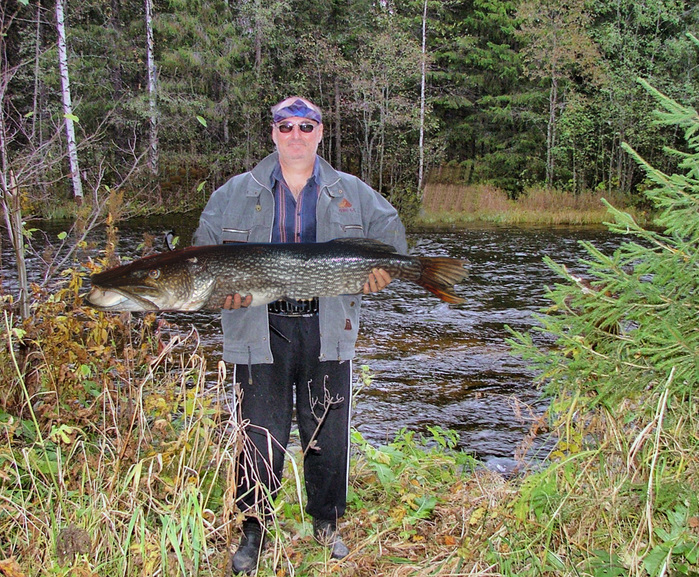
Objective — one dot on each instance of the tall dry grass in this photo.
(452, 203)
(130, 480)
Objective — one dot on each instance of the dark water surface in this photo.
(449, 365)
(434, 363)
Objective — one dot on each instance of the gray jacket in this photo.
(242, 210)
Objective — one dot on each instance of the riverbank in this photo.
(455, 205)
(113, 461)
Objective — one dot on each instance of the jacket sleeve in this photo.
(381, 219)
(209, 229)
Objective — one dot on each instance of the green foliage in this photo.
(403, 478)
(491, 68)
(622, 367)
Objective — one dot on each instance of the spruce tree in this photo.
(632, 318)
(620, 358)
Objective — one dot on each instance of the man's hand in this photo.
(236, 301)
(378, 280)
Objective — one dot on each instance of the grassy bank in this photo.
(459, 204)
(116, 460)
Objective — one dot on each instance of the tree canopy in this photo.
(518, 92)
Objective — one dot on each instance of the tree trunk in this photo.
(36, 117)
(423, 82)
(38, 108)
(152, 93)
(382, 135)
(12, 208)
(551, 131)
(67, 103)
(338, 127)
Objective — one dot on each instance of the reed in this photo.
(455, 204)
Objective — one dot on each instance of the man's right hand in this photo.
(236, 301)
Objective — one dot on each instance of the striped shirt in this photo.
(294, 220)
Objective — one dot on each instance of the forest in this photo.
(116, 450)
(167, 99)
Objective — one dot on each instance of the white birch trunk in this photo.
(423, 82)
(152, 91)
(338, 127)
(67, 103)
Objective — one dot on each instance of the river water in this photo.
(435, 364)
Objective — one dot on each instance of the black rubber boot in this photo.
(245, 559)
(326, 533)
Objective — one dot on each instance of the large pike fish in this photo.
(201, 277)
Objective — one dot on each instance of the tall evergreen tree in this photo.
(480, 95)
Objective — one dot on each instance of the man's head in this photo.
(297, 129)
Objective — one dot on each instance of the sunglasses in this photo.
(286, 127)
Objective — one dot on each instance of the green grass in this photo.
(120, 463)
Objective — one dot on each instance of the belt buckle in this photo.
(306, 308)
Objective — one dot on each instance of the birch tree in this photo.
(558, 46)
(382, 98)
(67, 102)
(152, 92)
(423, 82)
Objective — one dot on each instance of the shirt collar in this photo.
(277, 175)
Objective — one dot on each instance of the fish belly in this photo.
(295, 279)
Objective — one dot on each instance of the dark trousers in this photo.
(323, 401)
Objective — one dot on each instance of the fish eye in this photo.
(155, 273)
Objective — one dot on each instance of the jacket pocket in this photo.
(346, 229)
(234, 235)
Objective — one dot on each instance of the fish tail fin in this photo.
(440, 274)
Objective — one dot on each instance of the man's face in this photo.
(297, 145)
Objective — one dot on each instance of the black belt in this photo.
(289, 308)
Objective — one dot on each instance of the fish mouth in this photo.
(108, 299)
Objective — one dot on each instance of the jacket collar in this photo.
(328, 177)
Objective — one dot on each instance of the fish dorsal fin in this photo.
(366, 243)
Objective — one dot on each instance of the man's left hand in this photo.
(378, 280)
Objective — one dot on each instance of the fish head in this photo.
(161, 282)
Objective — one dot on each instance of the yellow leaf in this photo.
(10, 568)
(476, 516)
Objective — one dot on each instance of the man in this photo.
(305, 348)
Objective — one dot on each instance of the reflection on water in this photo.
(433, 363)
